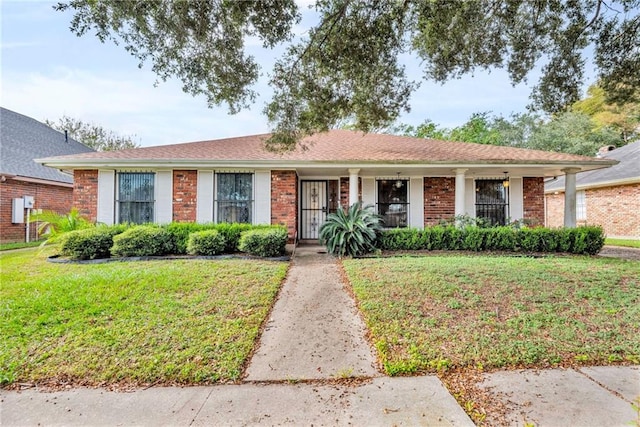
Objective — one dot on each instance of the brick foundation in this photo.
(185, 185)
(439, 199)
(85, 193)
(284, 200)
(55, 198)
(533, 200)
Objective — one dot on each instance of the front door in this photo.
(313, 208)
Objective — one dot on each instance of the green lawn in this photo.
(434, 312)
(171, 322)
(19, 245)
(623, 242)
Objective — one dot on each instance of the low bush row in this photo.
(582, 240)
(177, 238)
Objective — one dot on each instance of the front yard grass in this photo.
(629, 243)
(177, 322)
(437, 312)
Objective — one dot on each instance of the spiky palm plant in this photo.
(54, 224)
(351, 232)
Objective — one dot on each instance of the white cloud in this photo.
(126, 103)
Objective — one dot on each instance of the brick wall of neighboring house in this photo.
(533, 203)
(85, 193)
(55, 198)
(284, 200)
(185, 183)
(616, 209)
(439, 199)
(344, 191)
(554, 210)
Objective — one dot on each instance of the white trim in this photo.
(516, 199)
(416, 202)
(262, 197)
(163, 189)
(105, 209)
(204, 199)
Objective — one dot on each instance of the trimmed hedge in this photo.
(143, 240)
(267, 242)
(206, 242)
(90, 243)
(180, 232)
(587, 240)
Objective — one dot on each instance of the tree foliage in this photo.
(349, 65)
(92, 135)
(624, 118)
(569, 132)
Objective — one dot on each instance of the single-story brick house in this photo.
(606, 197)
(410, 181)
(23, 139)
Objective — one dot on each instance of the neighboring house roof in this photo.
(23, 139)
(627, 171)
(334, 148)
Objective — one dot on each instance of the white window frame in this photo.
(581, 205)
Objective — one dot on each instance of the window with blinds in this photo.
(234, 197)
(135, 198)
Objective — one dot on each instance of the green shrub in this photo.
(453, 238)
(180, 232)
(501, 239)
(206, 242)
(264, 242)
(88, 243)
(351, 232)
(402, 239)
(588, 240)
(143, 240)
(474, 239)
(232, 232)
(564, 237)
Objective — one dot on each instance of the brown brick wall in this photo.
(554, 216)
(344, 191)
(47, 197)
(284, 200)
(185, 184)
(615, 209)
(85, 193)
(533, 203)
(439, 199)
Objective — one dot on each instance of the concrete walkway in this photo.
(314, 331)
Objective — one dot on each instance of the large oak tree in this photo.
(349, 64)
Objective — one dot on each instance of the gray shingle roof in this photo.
(23, 139)
(627, 169)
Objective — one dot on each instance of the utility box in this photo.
(17, 211)
(28, 202)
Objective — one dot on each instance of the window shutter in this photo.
(262, 197)
(106, 197)
(164, 197)
(368, 191)
(416, 202)
(516, 199)
(204, 203)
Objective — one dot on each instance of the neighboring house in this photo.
(23, 139)
(607, 197)
(410, 181)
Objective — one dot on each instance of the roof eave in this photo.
(68, 163)
(601, 184)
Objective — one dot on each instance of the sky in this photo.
(47, 72)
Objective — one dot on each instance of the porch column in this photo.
(353, 186)
(570, 197)
(460, 192)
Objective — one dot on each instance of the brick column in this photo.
(284, 200)
(185, 194)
